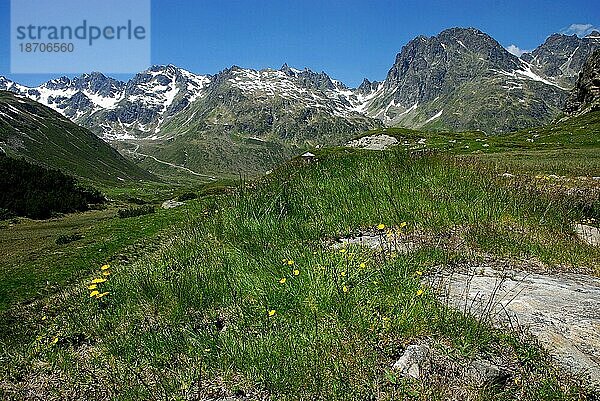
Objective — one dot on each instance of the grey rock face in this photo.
(462, 79)
(429, 67)
(366, 87)
(561, 310)
(586, 94)
(561, 57)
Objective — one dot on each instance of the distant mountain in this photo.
(239, 120)
(560, 58)
(243, 121)
(41, 135)
(585, 97)
(463, 79)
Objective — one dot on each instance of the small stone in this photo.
(414, 362)
(172, 203)
(588, 234)
(487, 374)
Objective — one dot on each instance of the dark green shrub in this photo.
(65, 239)
(37, 192)
(187, 196)
(6, 214)
(137, 201)
(135, 211)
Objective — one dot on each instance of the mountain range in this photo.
(243, 120)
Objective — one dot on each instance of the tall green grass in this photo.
(210, 314)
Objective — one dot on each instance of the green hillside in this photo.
(43, 136)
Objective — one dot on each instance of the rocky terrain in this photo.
(463, 79)
(586, 94)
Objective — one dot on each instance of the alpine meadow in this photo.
(276, 234)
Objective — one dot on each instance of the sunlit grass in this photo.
(252, 296)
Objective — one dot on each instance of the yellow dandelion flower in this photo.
(105, 267)
(282, 280)
(362, 265)
(343, 250)
(106, 273)
(403, 224)
(345, 288)
(98, 280)
(290, 262)
(419, 273)
(92, 287)
(381, 226)
(343, 274)
(54, 340)
(272, 312)
(296, 272)
(94, 293)
(101, 295)
(419, 292)
(44, 317)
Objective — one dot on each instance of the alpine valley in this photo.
(172, 121)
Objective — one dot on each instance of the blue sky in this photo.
(348, 39)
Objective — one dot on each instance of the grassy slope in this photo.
(159, 333)
(33, 266)
(43, 136)
(579, 135)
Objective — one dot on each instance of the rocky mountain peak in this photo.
(57, 83)
(561, 57)
(366, 87)
(428, 67)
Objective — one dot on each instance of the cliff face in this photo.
(585, 96)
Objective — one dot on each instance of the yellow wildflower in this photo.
(54, 340)
(362, 265)
(44, 317)
(343, 274)
(94, 293)
(290, 262)
(296, 272)
(343, 250)
(282, 280)
(98, 280)
(101, 295)
(419, 292)
(403, 224)
(381, 226)
(272, 312)
(419, 273)
(92, 287)
(105, 267)
(345, 288)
